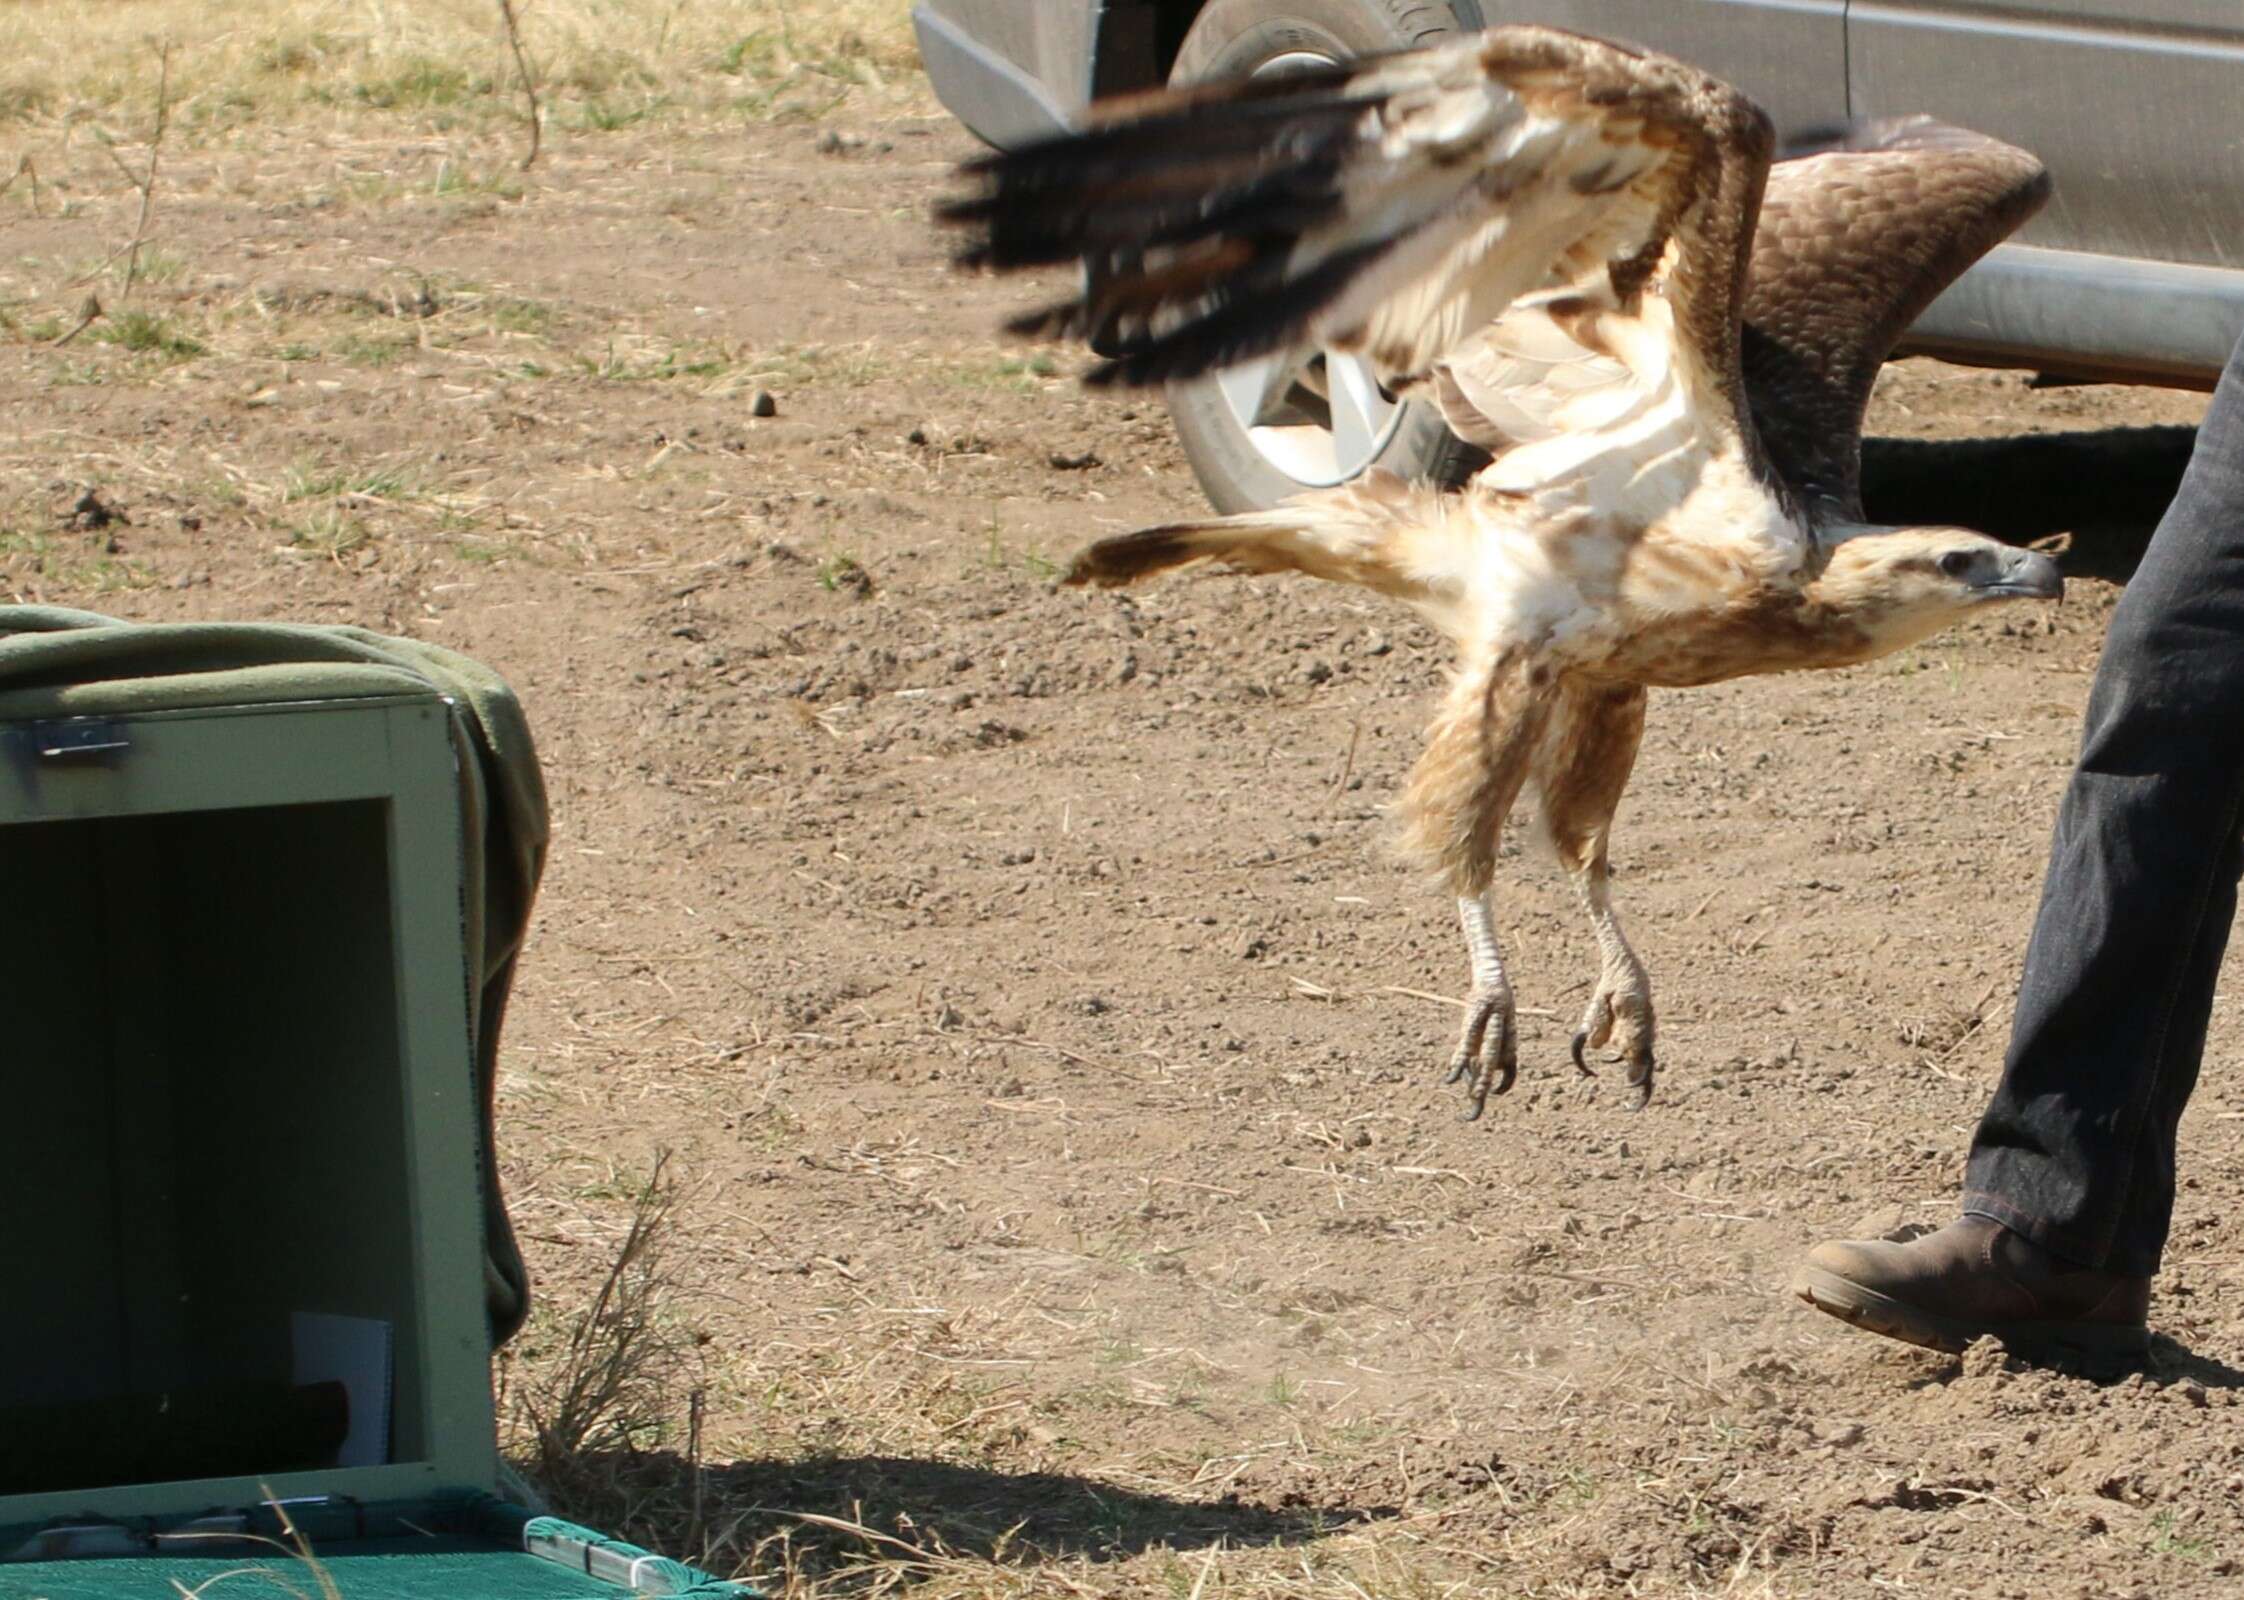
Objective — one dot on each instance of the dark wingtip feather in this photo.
(1187, 211)
(1169, 165)
(959, 211)
(1239, 329)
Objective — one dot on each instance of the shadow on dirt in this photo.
(845, 1511)
(2106, 488)
(2169, 1364)
(2173, 1362)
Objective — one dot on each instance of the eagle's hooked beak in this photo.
(2023, 575)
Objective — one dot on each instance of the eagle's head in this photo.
(1901, 585)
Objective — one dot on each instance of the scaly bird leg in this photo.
(1620, 1012)
(1487, 1057)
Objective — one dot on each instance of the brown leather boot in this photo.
(1971, 1279)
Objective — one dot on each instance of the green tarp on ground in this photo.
(472, 1549)
(392, 1571)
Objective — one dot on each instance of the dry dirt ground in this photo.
(1046, 1039)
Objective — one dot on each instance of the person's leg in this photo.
(2076, 1151)
(2070, 1186)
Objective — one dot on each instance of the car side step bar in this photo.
(2173, 322)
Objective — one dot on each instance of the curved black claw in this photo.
(1581, 1039)
(1478, 1015)
(1476, 1098)
(1640, 1079)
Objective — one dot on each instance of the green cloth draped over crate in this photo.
(57, 664)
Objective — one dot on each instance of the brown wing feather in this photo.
(1853, 244)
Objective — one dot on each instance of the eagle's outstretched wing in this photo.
(1854, 243)
(1391, 207)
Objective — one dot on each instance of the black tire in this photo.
(1234, 37)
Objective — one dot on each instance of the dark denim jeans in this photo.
(2077, 1149)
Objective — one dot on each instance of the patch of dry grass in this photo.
(600, 64)
(598, 1385)
(35, 562)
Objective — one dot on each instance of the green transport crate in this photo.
(261, 890)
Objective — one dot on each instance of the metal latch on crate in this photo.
(68, 739)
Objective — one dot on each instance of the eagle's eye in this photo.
(1956, 563)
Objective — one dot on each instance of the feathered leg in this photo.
(1588, 750)
(1476, 758)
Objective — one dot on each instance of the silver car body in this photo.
(2135, 270)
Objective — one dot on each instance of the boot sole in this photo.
(1897, 1319)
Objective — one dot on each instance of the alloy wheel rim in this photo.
(1317, 416)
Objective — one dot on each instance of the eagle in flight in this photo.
(1583, 255)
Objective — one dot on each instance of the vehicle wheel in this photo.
(1272, 428)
